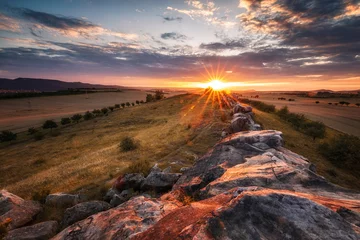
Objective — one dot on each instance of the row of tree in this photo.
(342, 103)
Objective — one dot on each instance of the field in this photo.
(19, 114)
(81, 157)
(342, 118)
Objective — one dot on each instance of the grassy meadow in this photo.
(82, 156)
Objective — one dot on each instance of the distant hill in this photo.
(46, 85)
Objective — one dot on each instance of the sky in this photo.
(251, 44)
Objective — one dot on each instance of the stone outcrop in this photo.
(83, 210)
(16, 211)
(63, 200)
(40, 231)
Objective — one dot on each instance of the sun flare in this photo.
(216, 84)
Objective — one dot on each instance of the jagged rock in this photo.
(39, 231)
(251, 215)
(167, 170)
(110, 194)
(120, 198)
(242, 109)
(184, 169)
(350, 216)
(131, 180)
(17, 210)
(63, 200)
(160, 181)
(83, 210)
(238, 124)
(122, 222)
(155, 168)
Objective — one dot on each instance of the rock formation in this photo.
(248, 186)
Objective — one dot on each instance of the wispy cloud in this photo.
(9, 24)
(173, 36)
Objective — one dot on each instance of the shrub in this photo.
(259, 105)
(104, 110)
(158, 95)
(88, 116)
(117, 106)
(283, 112)
(49, 124)
(314, 129)
(38, 136)
(76, 118)
(127, 104)
(7, 136)
(111, 109)
(65, 121)
(149, 98)
(137, 102)
(142, 101)
(96, 112)
(32, 131)
(132, 104)
(317, 102)
(357, 104)
(330, 103)
(342, 151)
(123, 105)
(127, 144)
(140, 166)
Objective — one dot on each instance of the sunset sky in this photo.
(252, 44)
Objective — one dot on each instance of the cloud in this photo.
(67, 26)
(173, 36)
(9, 24)
(215, 46)
(170, 19)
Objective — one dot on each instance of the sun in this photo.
(216, 84)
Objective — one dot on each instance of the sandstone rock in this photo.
(17, 210)
(122, 222)
(39, 231)
(131, 180)
(83, 210)
(160, 181)
(63, 200)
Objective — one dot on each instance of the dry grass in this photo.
(304, 145)
(87, 154)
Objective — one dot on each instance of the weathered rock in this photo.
(39, 231)
(17, 210)
(120, 198)
(122, 222)
(110, 194)
(239, 124)
(83, 210)
(167, 170)
(63, 200)
(131, 180)
(241, 109)
(350, 216)
(160, 181)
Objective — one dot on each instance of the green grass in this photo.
(307, 147)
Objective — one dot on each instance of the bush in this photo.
(137, 102)
(88, 116)
(317, 102)
(159, 95)
(132, 104)
(127, 144)
(140, 166)
(314, 129)
(142, 101)
(38, 136)
(7, 136)
(259, 105)
(123, 105)
(104, 110)
(76, 118)
(149, 98)
(32, 131)
(65, 121)
(117, 106)
(127, 104)
(96, 112)
(342, 151)
(49, 124)
(111, 109)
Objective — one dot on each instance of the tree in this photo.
(317, 102)
(159, 95)
(137, 102)
(330, 103)
(7, 136)
(117, 106)
(357, 104)
(49, 124)
(315, 129)
(96, 112)
(127, 104)
(142, 101)
(76, 118)
(32, 130)
(342, 103)
(111, 109)
(123, 105)
(88, 115)
(347, 103)
(149, 98)
(65, 121)
(132, 104)
(104, 110)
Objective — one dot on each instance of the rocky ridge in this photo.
(248, 186)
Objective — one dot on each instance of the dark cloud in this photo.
(170, 19)
(173, 36)
(223, 46)
(53, 21)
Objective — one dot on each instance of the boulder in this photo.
(122, 222)
(83, 210)
(63, 200)
(131, 180)
(120, 198)
(17, 211)
(241, 109)
(238, 124)
(160, 181)
(110, 194)
(39, 231)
